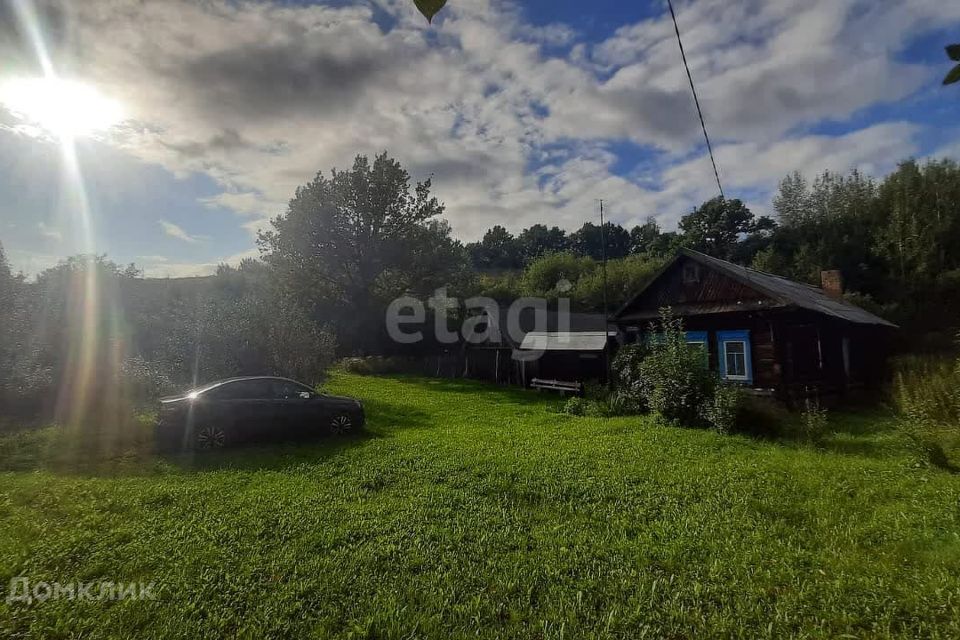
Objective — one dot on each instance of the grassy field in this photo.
(473, 511)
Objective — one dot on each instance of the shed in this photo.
(571, 347)
(766, 331)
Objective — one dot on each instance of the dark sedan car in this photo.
(252, 408)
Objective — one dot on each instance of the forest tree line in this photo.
(351, 242)
(896, 241)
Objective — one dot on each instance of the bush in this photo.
(143, 382)
(675, 380)
(813, 420)
(628, 395)
(928, 401)
(575, 406)
(722, 411)
(624, 403)
(379, 365)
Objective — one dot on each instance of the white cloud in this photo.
(261, 96)
(758, 167)
(51, 233)
(177, 232)
(162, 267)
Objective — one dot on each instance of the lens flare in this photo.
(94, 345)
(66, 108)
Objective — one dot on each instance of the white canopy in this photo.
(565, 341)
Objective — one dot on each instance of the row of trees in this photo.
(896, 240)
(90, 338)
(716, 227)
(353, 241)
(500, 250)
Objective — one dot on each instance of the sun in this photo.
(63, 107)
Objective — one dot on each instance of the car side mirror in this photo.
(305, 395)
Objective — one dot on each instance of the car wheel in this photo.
(211, 437)
(341, 424)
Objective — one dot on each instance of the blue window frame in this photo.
(736, 364)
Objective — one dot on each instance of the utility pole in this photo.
(603, 263)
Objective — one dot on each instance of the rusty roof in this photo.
(781, 290)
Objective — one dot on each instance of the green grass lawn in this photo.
(469, 510)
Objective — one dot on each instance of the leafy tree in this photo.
(543, 275)
(538, 240)
(791, 203)
(625, 277)
(588, 241)
(12, 335)
(716, 226)
(497, 250)
(645, 237)
(351, 242)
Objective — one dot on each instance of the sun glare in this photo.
(67, 108)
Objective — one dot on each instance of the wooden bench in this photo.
(562, 386)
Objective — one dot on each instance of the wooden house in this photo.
(764, 331)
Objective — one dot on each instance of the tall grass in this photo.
(927, 396)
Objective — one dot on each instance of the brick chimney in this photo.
(832, 283)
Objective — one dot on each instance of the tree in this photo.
(791, 203)
(644, 237)
(497, 250)
(551, 274)
(587, 241)
(539, 240)
(716, 226)
(625, 277)
(351, 242)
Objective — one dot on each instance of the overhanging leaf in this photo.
(429, 8)
(953, 76)
(953, 50)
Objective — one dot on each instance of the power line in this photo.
(696, 100)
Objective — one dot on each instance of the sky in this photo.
(520, 112)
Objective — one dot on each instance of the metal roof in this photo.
(781, 290)
(551, 321)
(565, 341)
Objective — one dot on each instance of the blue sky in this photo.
(522, 112)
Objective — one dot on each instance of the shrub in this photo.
(722, 411)
(624, 403)
(813, 420)
(927, 389)
(628, 395)
(575, 406)
(928, 402)
(380, 365)
(674, 380)
(143, 383)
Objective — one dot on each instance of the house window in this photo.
(735, 362)
(691, 273)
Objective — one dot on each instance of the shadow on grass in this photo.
(869, 433)
(265, 456)
(469, 386)
(129, 449)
